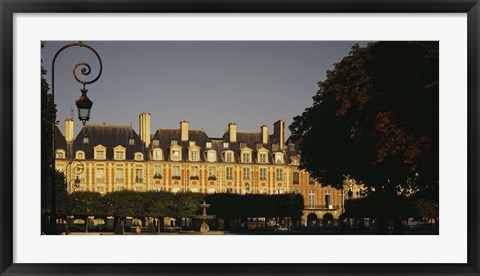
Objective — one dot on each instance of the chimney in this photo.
(279, 133)
(264, 134)
(69, 130)
(184, 130)
(144, 119)
(232, 129)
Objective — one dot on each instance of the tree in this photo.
(47, 112)
(376, 119)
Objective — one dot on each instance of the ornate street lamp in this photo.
(84, 106)
(78, 169)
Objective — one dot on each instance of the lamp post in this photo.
(74, 183)
(84, 105)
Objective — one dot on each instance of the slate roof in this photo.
(166, 135)
(60, 142)
(109, 136)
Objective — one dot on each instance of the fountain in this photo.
(204, 227)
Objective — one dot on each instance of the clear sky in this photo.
(208, 83)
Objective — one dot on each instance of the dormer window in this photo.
(156, 142)
(246, 157)
(259, 146)
(191, 143)
(60, 154)
(294, 161)
(175, 155)
(194, 155)
(208, 145)
(243, 145)
(173, 143)
(138, 156)
(119, 153)
(263, 158)
(85, 140)
(228, 156)
(80, 155)
(211, 156)
(99, 152)
(225, 145)
(131, 141)
(278, 158)
(157, 154)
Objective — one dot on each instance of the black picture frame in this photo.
(9, 7)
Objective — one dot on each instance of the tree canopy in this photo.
(375, 118)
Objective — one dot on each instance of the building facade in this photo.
(109, 158)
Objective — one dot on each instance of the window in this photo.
(212, 173)
(229, 157)
(175, 155)
(343, 198)
(311, 198)
(157, 172)
(296, 178)
(156, 142)
(119, 155)
(229, 173)
(80, 155)
(176, 172)
(278, 158)
(194, 172)
(263, 174)
(191, 143)
(274, 147)
(279, 173)
(311, 180)
(100, 176)
(295, 161)
(263, 158)
(211, 156)
(138, 176)
(60, 154)
(208, 145)
(157, 154)
(246, 157)
(246, 174)
(173, 143)
(85, 140)
(225, 145)
(195, 156)
(138, 156)
(131, 141)
(101, 189)
(119, 176)
(118, 188)
(100, 154)
(328, 199)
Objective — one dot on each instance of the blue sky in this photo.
(208, 83)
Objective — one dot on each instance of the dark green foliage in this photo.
(48, 111)
(86, 204)
(381, 206)
(162, 204)
(255, 205)
(376, 119)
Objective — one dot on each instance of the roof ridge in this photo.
(102, 125)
